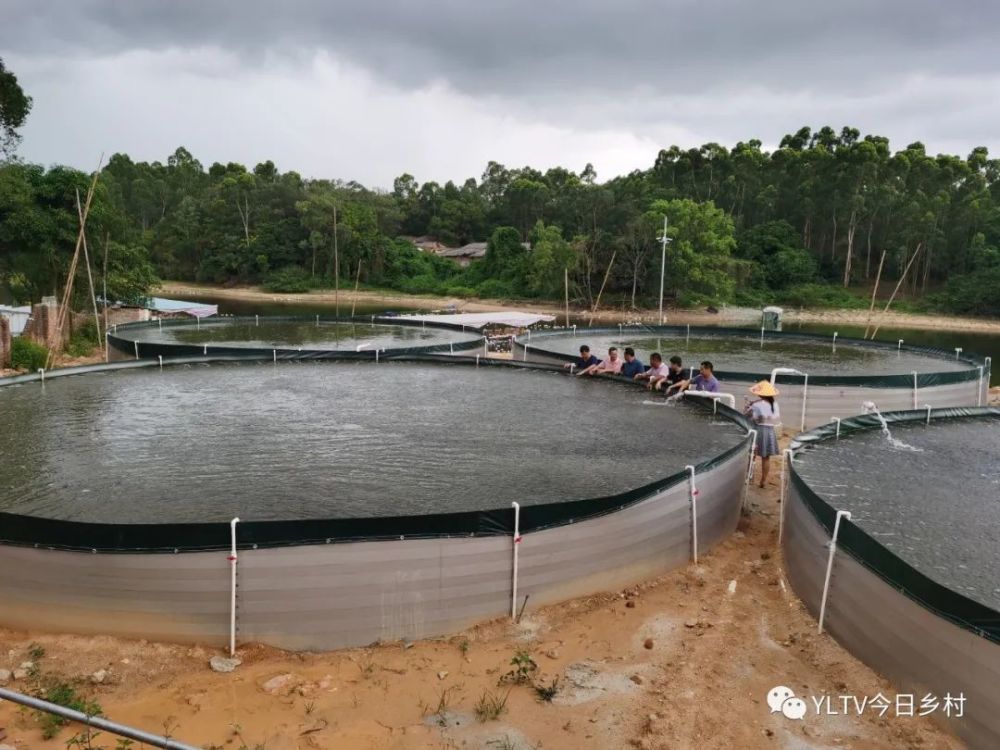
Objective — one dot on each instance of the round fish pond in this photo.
(912, 502)
(267, 335)
(387, 500)
(821, 378)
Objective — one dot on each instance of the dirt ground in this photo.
(683, 661)
(726, 315)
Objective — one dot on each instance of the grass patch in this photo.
(491, 705)
(63, 694)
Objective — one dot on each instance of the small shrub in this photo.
(26, 354)
(83, 341)
(524, 668)
(64, 694)
(490, 705)
(547, 692)
(36, 652)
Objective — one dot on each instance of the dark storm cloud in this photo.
(533, 47)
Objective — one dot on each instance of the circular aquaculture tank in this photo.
(350, 501)
(820, 377)
(259, 335)
(911, 503)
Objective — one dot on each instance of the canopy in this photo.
(480, 320)
(194, 309)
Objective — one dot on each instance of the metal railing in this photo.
(97, 722)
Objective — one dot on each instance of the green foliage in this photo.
(491, 705)
(83, 341)
(524, 668)
(26, 354)
(290, 279)
(975, 293)
(822, 295)
(63, 694)
(791, 267)
(545, 692)
(14, 108)
(698, 260)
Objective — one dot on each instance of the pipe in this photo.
(204, 351)
(786, 464)
(160, 357)
(98, 722)
(136, 344)
(837, 420)
(451, 348)
(761, 335)
(160, 322)
(753, 454)
(687, 341)
(829, 565)
(107, 347)
(693, 493)
(486, 346)
(728, 397)
(574, 329)
(914, 389)
(928, 407)
(517, 545)
(232, 587)
(979, 391)
(805, 395)
(317, 321)
(376, 356)
(899, 347)
(274, 355)
(958, 351)
(41, 371)
(834, 342)
(477, 361)
(525, 357)
(257, 320)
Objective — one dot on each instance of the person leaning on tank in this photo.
(765, 413)
(675, 376)
(610, 366)
(585, 360)
(632, 366)
(705, 380)
(656, 373)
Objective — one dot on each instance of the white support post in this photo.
(574, 329)
(750, 467)
(257, 320)
(376, 356)
(979, 393)
(958, 352)
(486, 346)
(834, 342)
(525, 357)
(529, 334)
(204, 350)
(41, 371)
(693, 494)
(317, 321)
(572, 366)
(107, 347)
(517, 546)
(928, 407)
(786, 467)
(687, 341)
(159, 322)
(136, 344)
(198, 322)
(619, 330)
(805, 397)
(477, 361)
(451, 348)
(837, 420)
(232, 586)
(274, 355)
(915, 390)
(761, 335)
(841, 514)
(899, 347)
(160, 357)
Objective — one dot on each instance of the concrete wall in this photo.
(338, 595)
(909, 644)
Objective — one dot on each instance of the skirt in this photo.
(767, 441)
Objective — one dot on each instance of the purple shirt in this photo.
(701, 383)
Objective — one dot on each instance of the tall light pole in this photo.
(664, 241)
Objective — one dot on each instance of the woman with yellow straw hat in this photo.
(765, 413)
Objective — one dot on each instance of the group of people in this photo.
(670, 378)
(658, 376)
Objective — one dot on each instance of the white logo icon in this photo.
(782, 699)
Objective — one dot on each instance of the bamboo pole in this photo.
(336, 264)
(90, 278)
(104, 281)
(357, 282)
(68, 291)
(871, 308)
(898, 285)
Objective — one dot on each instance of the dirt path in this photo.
(721, 634)
(726, 315)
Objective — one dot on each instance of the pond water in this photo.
(324, 440)
(935, 504)
(739, 353)
(268, 334)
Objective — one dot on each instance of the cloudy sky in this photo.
(368, 90)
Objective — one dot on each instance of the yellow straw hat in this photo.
(764, 388)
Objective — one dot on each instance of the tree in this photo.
(14, 108)
(699, 257)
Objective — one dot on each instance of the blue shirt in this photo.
(633, 368)
(582, 364)
(701, 383)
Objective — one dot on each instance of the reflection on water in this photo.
(291, 440)
(938, 509)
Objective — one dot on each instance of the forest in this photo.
(807, 223)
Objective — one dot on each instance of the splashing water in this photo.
(870, 407)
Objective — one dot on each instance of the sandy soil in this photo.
(720, 635)
(728, 315)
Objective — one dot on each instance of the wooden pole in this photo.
(566, 285)
(104, 278)
(90, 278)
(607, 273)
(871, 309)
(357, 282)
(336, 264)
(898, 285)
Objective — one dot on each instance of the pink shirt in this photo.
(608, 366)
(661, 371)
